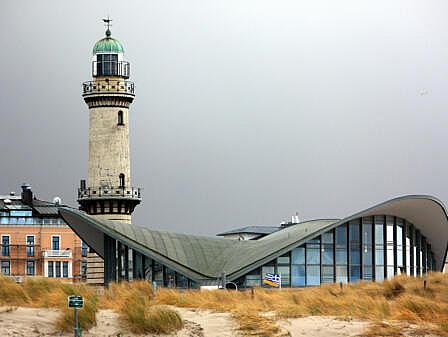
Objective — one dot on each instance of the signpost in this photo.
(76, 302)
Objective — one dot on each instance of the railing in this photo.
(111, 68)
(19, 251)
(92, 87)
(57, 253)
(106, 192)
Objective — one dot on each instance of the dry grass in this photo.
(133, 301)
(48, 293)
(402, 299)
(383, 329)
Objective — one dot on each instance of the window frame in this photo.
(59, 242)
(7, 247)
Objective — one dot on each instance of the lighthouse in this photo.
(108, 193)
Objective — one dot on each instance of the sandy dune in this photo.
(318, 326)
(39, 322)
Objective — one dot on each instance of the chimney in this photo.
(27, 194)
(83, 184)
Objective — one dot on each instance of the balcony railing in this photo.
(92, 87)
(111, 68)
(106, 192)
(57, 253)
(19, 251)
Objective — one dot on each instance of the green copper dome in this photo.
(108, 45)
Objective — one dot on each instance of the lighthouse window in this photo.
(107, 64)
(121, 177)
(120, 118)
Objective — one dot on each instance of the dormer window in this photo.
(121, 178)
(120, 120)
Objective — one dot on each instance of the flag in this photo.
(273, 280)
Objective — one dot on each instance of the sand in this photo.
(320, 326)
(39, 322)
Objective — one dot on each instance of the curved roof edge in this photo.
(413, 208)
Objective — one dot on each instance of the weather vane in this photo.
(107, 23)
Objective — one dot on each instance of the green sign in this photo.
(75, 301)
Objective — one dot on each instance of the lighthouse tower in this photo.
(108, 193)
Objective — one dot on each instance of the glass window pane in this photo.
(341, 274)
(298, 275)
(367, 257)
(64, 269)
(298, 255)
(390, 272)
(366, 231)
(284, 259)
(355, 273)
(367, 273)
(57, 267)
(379, 233)
(253, 280)
(283, 271)
(181, 281)
(158, 273)
(355, 254)
(341, 255)
(50, 269)
(379, 256)
(390, 255)
(327, 274)
(390, 229)
(313, 275)
(379, 273)
(327, 254)
(354, 231)
(399, 231)
(267, 270)
(312, 255)
(341, 235)
(55, 243)
(327, 237)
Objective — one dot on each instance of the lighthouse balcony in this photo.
(109, 67)
(109, 192)
(108, 86)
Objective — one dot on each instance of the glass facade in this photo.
(124, 263)
(369, 248)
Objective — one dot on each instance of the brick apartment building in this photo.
(35, 240)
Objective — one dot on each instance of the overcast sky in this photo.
(246, 111)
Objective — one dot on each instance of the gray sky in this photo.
(246, 110)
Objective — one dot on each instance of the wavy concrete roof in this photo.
(202, 257)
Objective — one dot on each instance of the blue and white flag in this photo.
(273, 280)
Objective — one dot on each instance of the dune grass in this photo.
(49, 293)
(402, 299)
(134, 303)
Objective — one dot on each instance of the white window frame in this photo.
(60, 242)
(26, 267)
(9, 244)
(34, 245)
(10, 267)
(70, 271)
